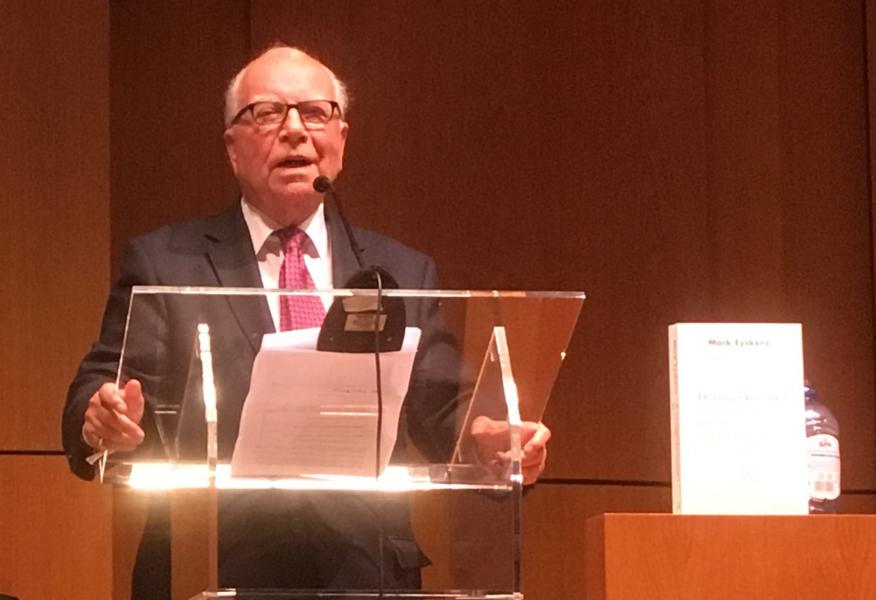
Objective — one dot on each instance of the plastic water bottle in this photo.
(822, 440)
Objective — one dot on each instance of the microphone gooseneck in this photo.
(323, 184)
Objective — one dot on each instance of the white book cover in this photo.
(737, 419)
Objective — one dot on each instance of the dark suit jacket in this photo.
(218, 251)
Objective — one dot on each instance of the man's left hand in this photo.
(534, 438)
(491, 438)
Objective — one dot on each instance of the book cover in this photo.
(737, 419)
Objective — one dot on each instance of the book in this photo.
(737, 419)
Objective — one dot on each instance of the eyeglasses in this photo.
(315, 114)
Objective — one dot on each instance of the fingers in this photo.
(109, 399)
(535, 436)
(492, 439)
(483, 426)
(528, 430)
(535, 453)
(111, 422)
(133, 395)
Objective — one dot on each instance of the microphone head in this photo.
(322, 184)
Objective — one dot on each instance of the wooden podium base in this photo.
(691, 557)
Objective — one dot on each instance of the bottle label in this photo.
(824, 466)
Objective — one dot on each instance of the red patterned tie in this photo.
(297, 312)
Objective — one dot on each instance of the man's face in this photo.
(276, 165)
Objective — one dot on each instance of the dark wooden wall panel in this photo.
(54, 256)
(826, 236)
(858, 504)
(744, 246)
(170, 64)
(869, 27)
(54, 217)
(57, 532)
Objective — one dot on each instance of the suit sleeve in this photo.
(100, 365)
(433, 396)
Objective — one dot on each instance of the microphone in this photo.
(361, 323)
(322, 184)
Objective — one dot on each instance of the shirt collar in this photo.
(261, 228)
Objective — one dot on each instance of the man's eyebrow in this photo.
(265, 98)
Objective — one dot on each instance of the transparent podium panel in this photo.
(377, 453)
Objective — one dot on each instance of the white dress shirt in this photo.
(268, 249)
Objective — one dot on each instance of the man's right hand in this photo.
(113, 416)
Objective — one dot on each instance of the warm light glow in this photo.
(396, 478)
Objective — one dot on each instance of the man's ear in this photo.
(228, 137)
(345, 129)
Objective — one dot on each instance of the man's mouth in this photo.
(293, 162)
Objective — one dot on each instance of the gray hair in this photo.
(231, 108)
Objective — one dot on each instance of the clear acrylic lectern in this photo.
(338, 471)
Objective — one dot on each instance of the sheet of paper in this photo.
(315, 413)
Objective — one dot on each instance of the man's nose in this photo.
(293, 125)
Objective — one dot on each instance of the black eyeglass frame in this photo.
(336, 110)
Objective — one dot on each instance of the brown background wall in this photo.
(54, 241)
(678, 161)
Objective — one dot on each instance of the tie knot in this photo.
(290, 233)
(293, 239)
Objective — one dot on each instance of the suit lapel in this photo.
(229, 250)
(230, 253)
(344, 263)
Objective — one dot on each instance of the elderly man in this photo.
(285, 126)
